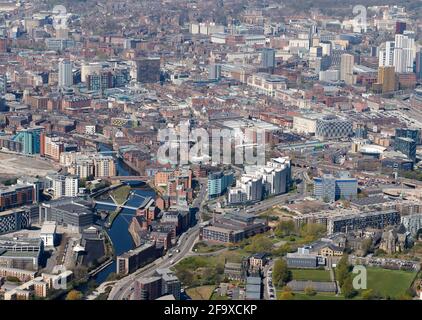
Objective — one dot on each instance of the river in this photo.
(119, 231)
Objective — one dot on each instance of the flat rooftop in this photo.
(49, 227)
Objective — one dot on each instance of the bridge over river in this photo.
(116, 206)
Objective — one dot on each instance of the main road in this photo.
(123, 288)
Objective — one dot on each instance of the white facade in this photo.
(90, 129)
(267, 84)
(194, 28)
(205, 28)
(104, 166)
(299, 43)
(84, 168)
(65, 73)
(326, 48)
(404, 53)
(89, 69)
(71, 186)
(329, 75)
(48, 233)
(255, 40)
(64, 186)
(271, 179)
(306, 123)
(219, 38)
(386, 55)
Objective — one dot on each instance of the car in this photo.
(177, 250)
(172, 261)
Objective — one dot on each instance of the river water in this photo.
(119, 231)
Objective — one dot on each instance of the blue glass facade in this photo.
(30, 140)
(218, 182)
(330, 188)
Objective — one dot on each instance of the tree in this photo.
(259, 243)
(342, 269)
(286, 294)
(347, 288)
(82, 183)
(281, 274)
(10, 182)
(209, 275)
(282, 250)
(185, 277)
(74, 295)
(113, 276)
(285, 228)
(80, 272)
(92, 284)
(368, 294)
(366, 246)
(379, 252)
(12, 279)
(310, 291)
(346, 204)
(312, 231)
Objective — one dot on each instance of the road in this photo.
(269, 203)
(123, 288)
(269, 289)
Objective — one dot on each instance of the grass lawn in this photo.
(391, 283)
(318, 296)
(311, 274)
(120, 194)
(216, 296)
(200, 293)
(203, 247)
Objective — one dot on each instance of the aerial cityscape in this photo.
(210, 150)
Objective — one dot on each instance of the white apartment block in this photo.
(64, 186)
(267, 84)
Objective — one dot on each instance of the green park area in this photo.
(202, 270)
(317, 296)
(205, 270)
(201, 293)
(120, 194)
(389, 283)
(311, 274)
(203, 247)
(217, 296)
